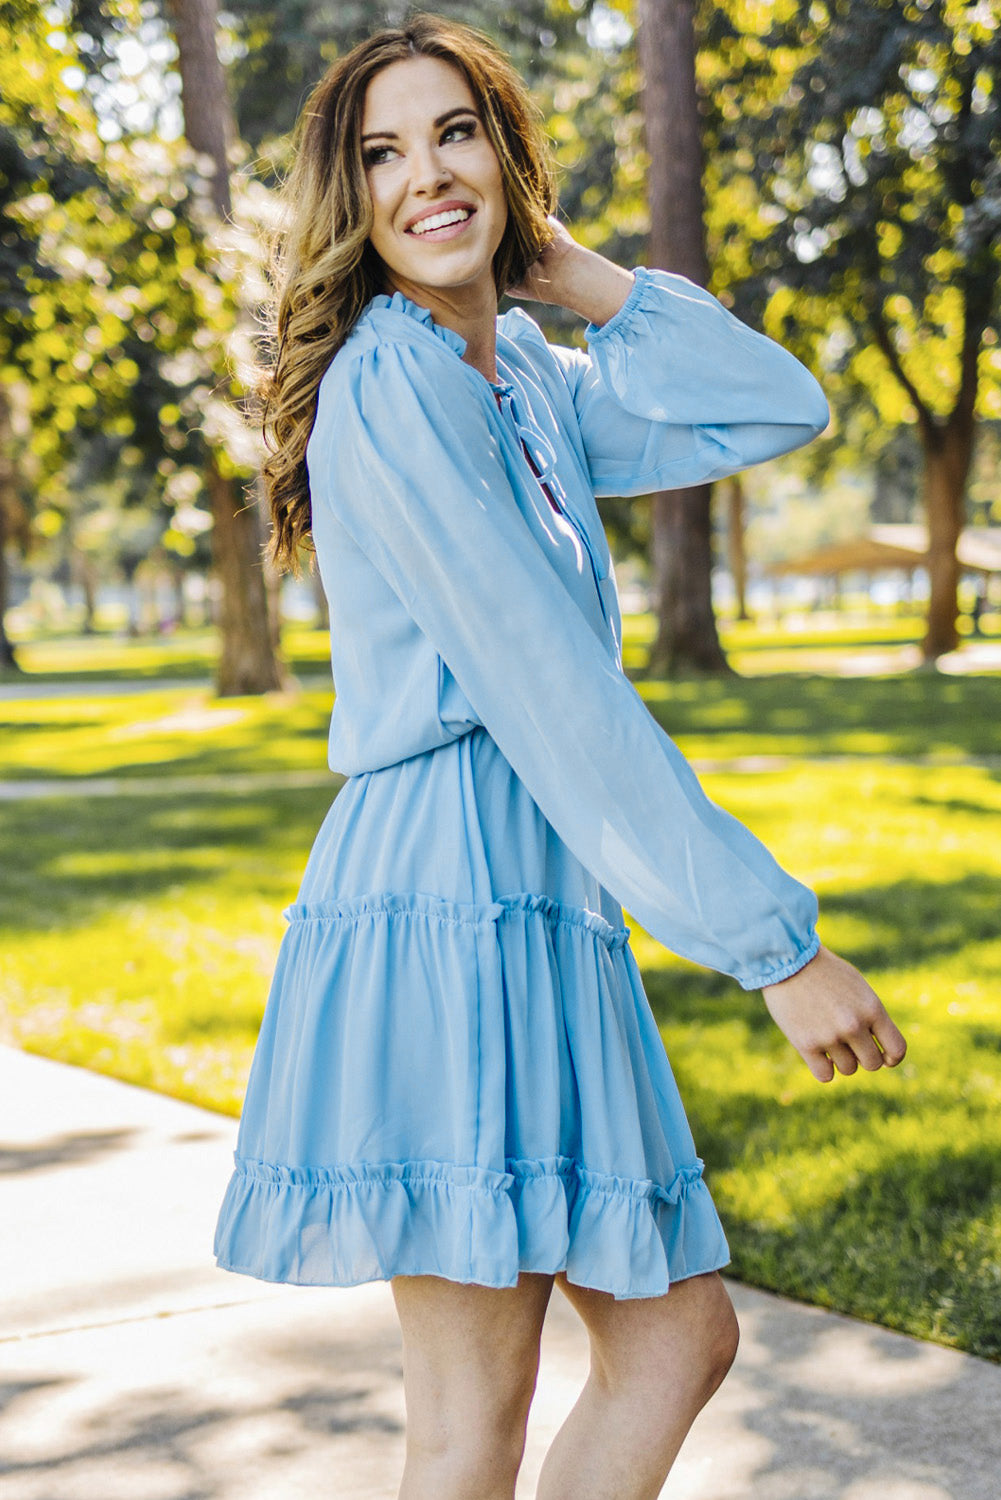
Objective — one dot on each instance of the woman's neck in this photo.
(470, 311)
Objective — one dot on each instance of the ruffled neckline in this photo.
(401, 304)
(383, 302)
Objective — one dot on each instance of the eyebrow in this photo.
(390, 135)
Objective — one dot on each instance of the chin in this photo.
(444, 277)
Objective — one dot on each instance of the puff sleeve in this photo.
(675, 390)
(407, 452)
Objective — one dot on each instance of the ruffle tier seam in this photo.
(451, 913)
(456, 1176)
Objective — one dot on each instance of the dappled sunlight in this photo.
(893, 1241)
(295, 1389)
(193, 718)
(175, 731)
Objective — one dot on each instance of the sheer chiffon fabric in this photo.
(458, 1071)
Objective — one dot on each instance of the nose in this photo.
(428, 169)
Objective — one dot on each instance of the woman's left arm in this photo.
(674, 389)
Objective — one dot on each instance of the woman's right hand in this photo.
(569, 275)
(834, 1018)
(541, 282)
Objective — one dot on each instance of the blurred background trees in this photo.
(831, 168)
(879, 178)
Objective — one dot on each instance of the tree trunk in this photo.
(682, 552)
(86, 576)
(176, 571)
(948, 455)
(8, 660)
(249, 658)
(681, 532)
(248, 662)
(208, 125)
(736, 551)
(8, 509)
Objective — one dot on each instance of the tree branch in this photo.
(885, 343)
(976, 315)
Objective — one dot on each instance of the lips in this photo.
(439, 208)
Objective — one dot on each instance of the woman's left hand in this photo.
(834, 1018)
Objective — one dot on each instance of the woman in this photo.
(459, 1085)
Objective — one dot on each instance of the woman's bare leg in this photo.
(655, 1361)
(470, 1362)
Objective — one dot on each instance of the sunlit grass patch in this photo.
(167, 731)
(181, 653)
(138, 937)
(875, 1194)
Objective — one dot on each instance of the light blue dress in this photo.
(458, 1071)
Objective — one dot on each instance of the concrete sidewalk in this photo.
(132, 1369)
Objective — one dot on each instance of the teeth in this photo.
(438, 221)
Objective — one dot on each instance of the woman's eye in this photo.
(373, 155)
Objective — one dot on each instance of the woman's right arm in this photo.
(673, 389)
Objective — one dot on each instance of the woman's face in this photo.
(427, 154)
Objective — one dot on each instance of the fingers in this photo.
(820, 1065)
(881, 1046)
(891, 1040)
(867, 1052)
(843, 1058)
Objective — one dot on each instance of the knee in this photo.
(720, 1341)
(471, 1430)
(689, 1344)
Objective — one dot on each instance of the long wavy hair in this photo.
(324, 270)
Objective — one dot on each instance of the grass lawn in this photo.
(183, 653)
(809, 644)
(183, 730)
(138, 935)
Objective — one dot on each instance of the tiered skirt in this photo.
(458, 1072)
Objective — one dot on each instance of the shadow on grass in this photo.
(67, 862)
(298, 743)
(923, 714)
(907, 1244)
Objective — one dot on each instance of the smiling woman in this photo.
(459, 1085)
(364, 128)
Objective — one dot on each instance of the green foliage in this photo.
(281, 51)
(872, 132)
(124, 326)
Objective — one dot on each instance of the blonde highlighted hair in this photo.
(325, 270)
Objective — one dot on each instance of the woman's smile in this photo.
(444, 224)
